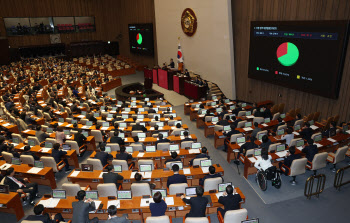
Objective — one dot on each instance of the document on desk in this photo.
(50, 203)
(146, 201)
(69, 125)
(85, 127)
(314, 127)
(140, 154)
(142, 139)
(68, 136)
(104, 128)
(191, 151)
(282, 153)
(201, 116)
(7, 124)
(34, 170)
(187, 171)
(75, 173)
(173, 127)
(265, 125)
(114, 202)
(60, 123)
(45, 150)
(296, 133)
(81, 116)
(22, 148)
(97, 204)
(147, 174)
(318, 145)
(248, 129)
(27, 130)
(169, 200)
(5, 166)
(252, 159)
(332, 140)
(299, 148)
(101, 174)
(205, 169)
(220, 194)
(250, 116)
(151, 129)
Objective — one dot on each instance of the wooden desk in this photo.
(111, 84)
(9, 126)
(12, 204)
(208, 129)
(152, 141)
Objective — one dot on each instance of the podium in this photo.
(165, 79)
(194, 91)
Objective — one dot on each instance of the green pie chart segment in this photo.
(139, 38)
(287, 54)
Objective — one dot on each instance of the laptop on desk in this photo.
(59, 194)
(124, 194)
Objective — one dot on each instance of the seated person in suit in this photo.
(176, 178)
(266, 142)
(75, 127)
(208, 113)
(267, 113)
(21, 185)
(228, 135)
(138, 180)
(280, 122)
(306, 131)
(211, 174)
(123, 155)
(45, 218)
(82, 207)
(186, 73)
(259, 112)
(256, 129)
(155, 131)
(332, 131)
(177, 130)
(173, 158)
(201, 107)
(310, 150)
(172, 64)
(3, 145)
(186, 137)
(117, 139)
(40, 134)
(249, 144)
(90, 117)
(297, 117)
(159, 206)
(198, 204)
(289, 136)
(230, 200)
(161, 139)
(79, 138)
(289, 159)
(138, 127)
(10, 149)
(151, 110)
(58, 154)
(235, 120)
(202, 155)
(112, 216)
(103, 156)
(30, 153)
(136, 142)
(111, 176)
(225, 121)
(237, 109)
(223, 113)
(103, 133)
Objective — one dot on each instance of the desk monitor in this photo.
(177, 163)
(112, 96)
(156, 109)
(232, 107)
(227, 128)
(89, 123)
(160, 124)
(190, 191)
(60, 194)
(214, 119)
(121, 135)
(122, 124)
(312, 122)
(222, 187)
(257, 152)
(213, 103)
(248, 113)
(4, 189)
(15, 140)
(205, 163)
(63, 110)
(96, 114)
(227, 100)
(146, 99)
(124, 194)
(133, 98)
(93, 194)
(214, 97)
(240, 140)
(345, 128)
(296, 127)
(248, 124)
(141, 109)
(173, 114)
(165, 134)
(87, 167)
(141, 135)
(85, 133)
(256, 220)
(109, 115)
(145, 167)
(318, 138)
(31, 142)
(15, 161)
(196, 145)
(267, 120)
(261, 110)
(283, 116)
(119, 102)
(66, 147)
(125, 116)
(81, 104)
(197, 105)
(66, 132)
(280, 132)
(108, 149)
(117, 168)
(177, 122)
(48, 144)
(133, 103)
(204, 112)
(127, 109)
(260, 135)
(105, 124)
(300, 143)
(60, 119)
(162, 191)
(83, 113)
(218, 110)
(103, 108)
(38, 164)
(74, 121)
(280, 148)
(175, 147)
(128, 149)
(150, 148)
(140, 116)
(244, 105)
(49, 130)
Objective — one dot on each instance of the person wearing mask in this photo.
(81, 209)
(29, 153)
(310, 150)
(288, 160)
(59, 154)
(202, 155)
(289, 136)
(112, 177)
(230, 199)
(159, 206)
(176, 178)
(198, 204)
(112, 216)
(211, 174)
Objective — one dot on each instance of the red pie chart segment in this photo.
(282, 50)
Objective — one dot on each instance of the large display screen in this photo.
(303, 55)
(141, 38)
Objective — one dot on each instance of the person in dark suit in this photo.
(208, 113)
(103, 156)
(123, 155)
(81, 209)
(280, 122)
(3, 146)
(223, 113)
(59, 154)
(10, 149)
(117, 139)
(30, 153)
(198, 204)
(237, 109)
(112, 177)
(267, 113)
(224, 122)
(139, 127)
(173, 158)
(159, 206)
(310, 150)
(138, 180)
(186, 73)
(75, 107)
(211, 174)
(230, 200)
(266, 142)
(249, 144)
(291, 156)
(40, 134)
(113, 218)
(186, 137)
(151, 110)
(20, 185)
(297, 117)
(256, 129)
(161, 139)
(79, 138)
(176, 178)
(332, 131)
(90, 117)
(172, 64)
(45, 218)
(202, 155)
(228, 135)
(306, 132)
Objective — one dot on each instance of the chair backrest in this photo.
(36, 140)
(73, 145)
(208, 118)
(140, 189)
(7, 157)
(273, 147)
(299, 122)
(96, 163)
(163, 145)
(241, 113)
(160, 219)
(212, 183)
(98, 135)
(261, 132)
(249, 152)
(185, 144)
(218, 128)
(241, 124)
(134, 133)
(276, 116)
(282, 127)
(198, 161)
(196, 220)
(298, 167)
(340, 154)
(71, 189)
(123, 163)
(114, 146)
(137, 147)
(105, 190)
(146, 161)
(236, 215)
(281, 107)
(169, 164)
(259, 120)
(319, 161)
(49, 162)
(53, 141)
(314, 135)
(293, 142)
(178, 188)
(235, 136)
(20, 139)
(83, 121)
(27, 159)
(316, 116)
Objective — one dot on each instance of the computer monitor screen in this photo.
(227, 128)
(74, 121)
(247, 113)
(141, 109)
(83, 113)
(93, 194)
(110, 116)
(133, 103)
(162, 191)
(205, 163)
(218, 110)
(267, 120)
(141, 135)
(31, 142)
(60, 119)
(117, 168)
(105, 124)
(145, 167)
(133, 98)
(160, 124)
(173, 114)
(248, 124)
(15, 140)
(204, 112)
(232, 107)
(65, 146)
(124, 194)
(280, 148)
(296, 127)
(121, 135)
(257, 152)
(4, 189)
(89, 123)
(150, 148)
(214, 97)
(174, 147)
(114, 108)
(146, 99)
(213, 103)
(87, 167)
(122, 124)
(282, 115)
(127, 109)
(140, 116)
(119, 102)
(244, 105)
(260, 135)
(49, 130)
(38, 164)
(196, 145)
(96, 115)
(300, 143)
(66, 132)
(222, 187)
(190, 191)
(240, 140)
(108, 149)
(48, 144)
(165, 134)
(311, 122)
(280, 132)
(15, 161)
(128, 149)
(215, 119)
(103, 108)
(85, 133)
(61, 194)
(318, 138)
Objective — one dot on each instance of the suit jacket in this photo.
(232, 132)
(117, 139)
(267, 114)
(162, 140)
(198, 206)
(223, 122)
(176, 179)
(45, 218)
(310, 152)
(81, 211)
(202, 155)
(201, 181)
(230, 202)
(187, 139)
(12, 185)
(79, 138)
(255, 131)
(104, 157)
(112, 178)
(266, 144)
(30, 153)
(123, 156)
(330, 132)
(57, 154)
(158, 209)
(306, 133)
(247, 146)
(289, 159)
(139, 127)
(117, 220)
(41, 136)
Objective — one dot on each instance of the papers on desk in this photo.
(5, 166)
(279, 159)
(296, 133)
(173, 127)
(214, 123)
(183, 137)
(240, 144)
(125, 112)
(45, 150)
(97, 204)
(314, 127)
(7, 124)
(114, 202)
(142, 139)
(265, 125)
(146, 201)
(332, 140)
(104, 128)
(112, 112)
(205, 169)
(187, 171)
(299, 148)
(101, 175)
(147, 175)
(318, 145)
(68, 136)
(248, 129)
(252, 159)
(250, 116)
(60, 123)
(75, 173)
(220, 194)
(282, 153)
(50, 203)
(160, 128)
(85, 127)
(27, 130)
(196, 109)
(22, 148)
(151, 129)
(14, 144)
(201, 116)
(348, 131)
(81, 116)
(34, 170)
(69, 125)
(140, 154)
(191, 151)
(169, 200)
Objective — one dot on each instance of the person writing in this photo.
(159, 206)
(230, 200)
(81, 209)
(198, 204)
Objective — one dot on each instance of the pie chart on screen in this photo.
(139, 38)
(287, 54)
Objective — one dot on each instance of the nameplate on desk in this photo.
(157, 179)
(126, 181)
(221, 137)
(211, 126)
(157, 158)
(95, 180)
(189, 177)
(135, 210)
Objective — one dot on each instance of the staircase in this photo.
(214, 90)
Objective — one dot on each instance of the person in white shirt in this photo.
(264, 161)
(288, 137)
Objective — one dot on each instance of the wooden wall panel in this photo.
(243, 12)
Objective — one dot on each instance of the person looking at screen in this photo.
(159, 206)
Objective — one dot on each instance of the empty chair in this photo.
(218, 128)
(137, 147)
(148, 161)
(140, 189)
(159, 219)
(211, 183)
(163, 146)
(234, 137)
(107, 189)
(185, 144)
(83, 121)
(276, 116)
(35, 139)
(297, 168)
(50, 162)
(233, 216)
(19, 137)
(53, 141)
(241, 113)
(282, 127)
(7, 157)
(72, 189)
(123, 163)
(197, 161)
(177, 188)
(241, 124)
(273, 147)
(27, 159)
(337, 157)
(114, 146)
(299, 122)
(98, 135)
(315, 135)
(293, 142)
(208, 118)
(259, 120)
(96, 163)
(74, 145)
(197, 220)
(319, 161)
